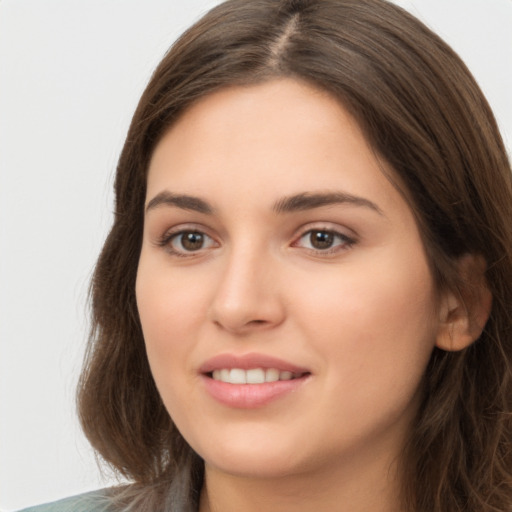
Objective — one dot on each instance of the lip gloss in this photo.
(247, 396)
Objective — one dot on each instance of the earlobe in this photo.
(464, 313)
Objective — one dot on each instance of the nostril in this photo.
(257, 322)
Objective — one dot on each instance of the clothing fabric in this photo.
(94, 501)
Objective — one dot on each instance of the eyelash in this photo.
(166, 241)
(344, 242)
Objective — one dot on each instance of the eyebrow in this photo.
(298, 202)
(182, 201)
(307, 201)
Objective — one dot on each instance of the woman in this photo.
(304, 299)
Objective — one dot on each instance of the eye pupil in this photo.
(321, 239)
(192, 240)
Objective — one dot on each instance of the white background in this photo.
(71, 72)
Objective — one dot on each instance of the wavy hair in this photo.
(422, 112)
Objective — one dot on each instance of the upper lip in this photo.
(247, 362)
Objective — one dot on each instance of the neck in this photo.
(354, 488)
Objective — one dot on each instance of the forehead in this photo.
(282, 136)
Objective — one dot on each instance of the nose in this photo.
(248, 295)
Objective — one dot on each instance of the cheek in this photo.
(374, 325)
(168, 311)
(168, 302)
(380, 297)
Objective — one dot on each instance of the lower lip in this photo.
(251, 396)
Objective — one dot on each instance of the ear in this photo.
(464, 312)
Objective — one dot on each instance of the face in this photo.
(284, 293)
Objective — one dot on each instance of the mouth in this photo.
(253, 375)
(251, 381)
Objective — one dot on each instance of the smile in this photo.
(252, 380)
(253, 376)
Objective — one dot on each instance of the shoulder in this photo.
(95, 501)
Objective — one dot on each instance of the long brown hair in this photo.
(423, 113)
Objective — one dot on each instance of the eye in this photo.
(187, 242)
(324, 240)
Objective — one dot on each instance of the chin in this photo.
(255, 456)
(261, 466)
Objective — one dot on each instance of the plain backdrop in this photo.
(71, 72)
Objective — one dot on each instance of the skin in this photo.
(361, 315)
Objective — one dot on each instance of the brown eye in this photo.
(190, 241)
(321, 239)
(324, 241)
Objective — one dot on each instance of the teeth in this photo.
(256, 376)
(237, 376)
(271, 375)
(252, 376)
